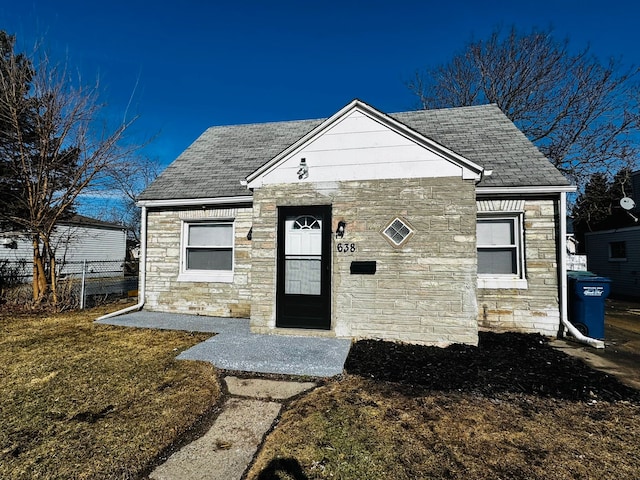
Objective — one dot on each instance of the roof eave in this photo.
(196, 202)
(526, 189)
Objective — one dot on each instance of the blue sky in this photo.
(189, 65)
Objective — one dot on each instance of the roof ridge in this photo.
(79, 219)
(275, 122)
(442, 109)
(321, 119)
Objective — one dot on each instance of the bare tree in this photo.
(127, 182)
(581, 114)
(52, 149)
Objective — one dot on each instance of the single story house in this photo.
(74, 240)
(420, 226)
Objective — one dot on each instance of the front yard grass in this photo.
(512, 408)
(87, 401)
(358, 428)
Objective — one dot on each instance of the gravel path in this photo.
(236, 348)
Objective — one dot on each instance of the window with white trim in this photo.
(398, 232)
(500, 252)
(207, 251)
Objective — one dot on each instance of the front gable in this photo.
(361, 143)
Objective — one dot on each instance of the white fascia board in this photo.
(541, 189)
(186, 202)
(253, 179)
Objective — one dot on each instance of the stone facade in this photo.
(165, 293)
(422, 292)
(535, 308)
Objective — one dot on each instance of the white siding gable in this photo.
(361, 146)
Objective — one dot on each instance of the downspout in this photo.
(142, 270)
(564, 311)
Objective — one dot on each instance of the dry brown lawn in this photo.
(513, 408)
(358, 428)
(88, 401)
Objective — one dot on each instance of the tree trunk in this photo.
(52, 273)
(39, 277)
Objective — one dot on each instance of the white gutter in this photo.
(564, 314)
(187, 202)
(532, 189)
(142, 269)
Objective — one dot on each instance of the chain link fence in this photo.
(80, 283)
(14, 273)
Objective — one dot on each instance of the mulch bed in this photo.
(502, 363)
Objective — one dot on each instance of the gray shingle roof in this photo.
(82, 220)
(222, 156)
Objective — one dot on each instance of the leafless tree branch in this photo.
(582, 114)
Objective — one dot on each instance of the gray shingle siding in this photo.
(221, 157)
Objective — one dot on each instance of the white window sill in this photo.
(209, 277)
(507, 282)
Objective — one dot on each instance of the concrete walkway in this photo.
(236, 348)
(253, 405)
(596, 359)
(225, 451)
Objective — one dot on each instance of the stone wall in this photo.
(534, 309)
(422, 292)
(163, 290)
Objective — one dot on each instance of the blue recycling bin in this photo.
(587, 293)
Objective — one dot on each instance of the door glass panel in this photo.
(302, 276)
(303, 255)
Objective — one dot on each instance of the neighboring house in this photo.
(421, 226)
(615, 254)
(74, 240)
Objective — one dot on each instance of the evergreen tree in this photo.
(598, 206)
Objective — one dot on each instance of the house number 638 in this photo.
(346, 247)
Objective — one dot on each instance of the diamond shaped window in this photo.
(398, 232)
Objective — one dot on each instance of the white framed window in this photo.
(207, 251)
(500, 252)
(397, 232)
